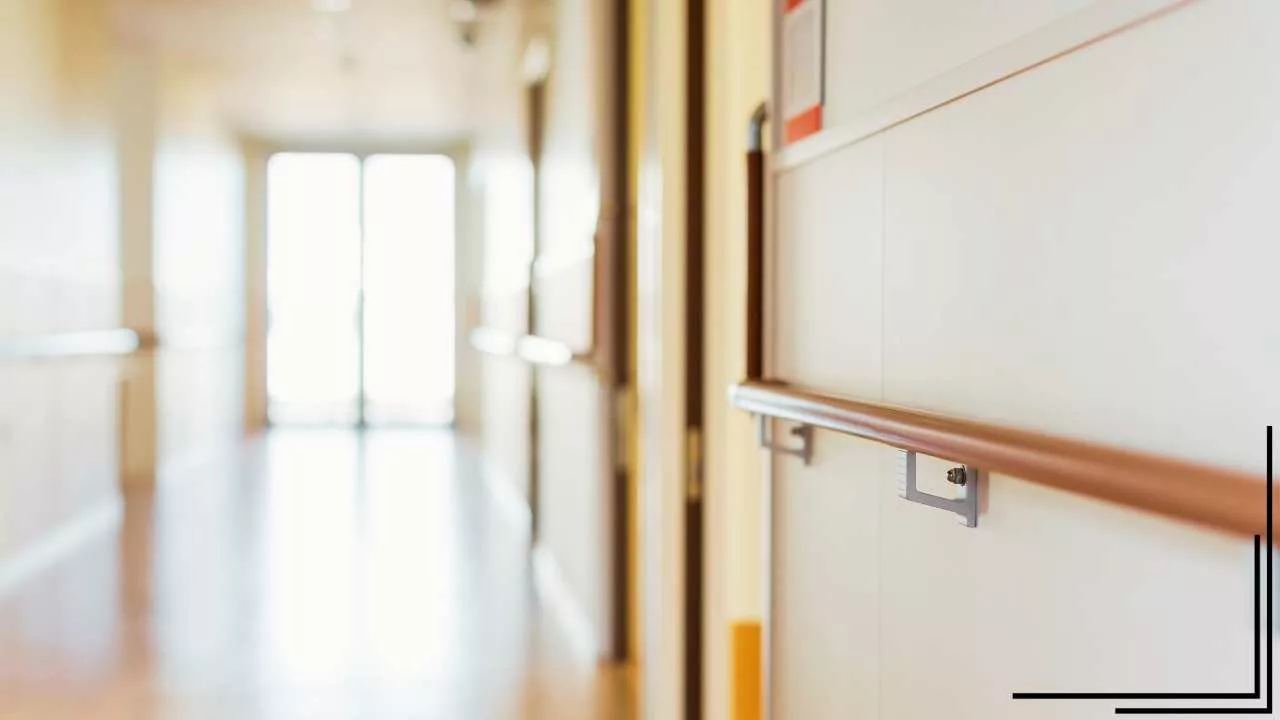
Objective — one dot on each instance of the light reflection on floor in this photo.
(324, 575)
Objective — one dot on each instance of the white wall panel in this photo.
(564, 298)
(1090, 248)
(877, 49)
(199, 273)
(573, 485)
(574, 480)
(504, 429)
(826, 581)
(504, 397)
(826, 320)
(1053, 593)
(826, 270)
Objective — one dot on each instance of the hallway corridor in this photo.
(323, 575)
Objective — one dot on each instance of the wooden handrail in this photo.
(1222, 499)
(533, 349)
(90, 343)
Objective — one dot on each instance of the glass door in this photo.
(313, 289)
(360, 289)
(409, 299)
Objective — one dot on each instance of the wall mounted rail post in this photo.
(966, 478)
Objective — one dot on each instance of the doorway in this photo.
(360, 289)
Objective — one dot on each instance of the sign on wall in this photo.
(802, 68)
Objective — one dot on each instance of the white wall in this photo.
(502, 190)
(200, 268)
(1086, 249)
(574, 476)
(58, 267)
(878, 49)
(183, 234)
(505, 194)
(739, 46)
(468, 289)
(564, 200)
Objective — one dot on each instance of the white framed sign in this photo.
(802, 68)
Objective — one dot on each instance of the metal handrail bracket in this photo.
(967, 478)
(804, 432)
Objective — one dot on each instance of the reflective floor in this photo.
(324, 575)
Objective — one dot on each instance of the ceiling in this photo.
(380, 70)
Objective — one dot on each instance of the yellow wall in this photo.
(738, 67)
(738, 75)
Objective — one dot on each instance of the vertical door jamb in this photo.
(695, 132)
(537, 99)
(619, 329)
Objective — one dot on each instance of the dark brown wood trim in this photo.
(536, 119)
(1227, 500)
(620, 278)
(619, 288)
(756, 223)
(755, 245)
(695, 312)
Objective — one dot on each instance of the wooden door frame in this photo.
(669, 276)
(695, 356)
(615, 319)
(535, 97)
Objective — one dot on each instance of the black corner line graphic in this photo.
(1257, 646)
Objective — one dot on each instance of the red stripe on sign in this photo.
(805, 124)
(792, 4)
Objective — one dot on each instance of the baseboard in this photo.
(56, 545)
(555, 592)
(552, 589)
(513, 505)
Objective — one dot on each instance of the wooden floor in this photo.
(324, 575)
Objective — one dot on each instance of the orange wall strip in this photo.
(746, 686)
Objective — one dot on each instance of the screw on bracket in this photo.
(965, 507)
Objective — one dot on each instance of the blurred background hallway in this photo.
(243, 470)
(613, 359)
